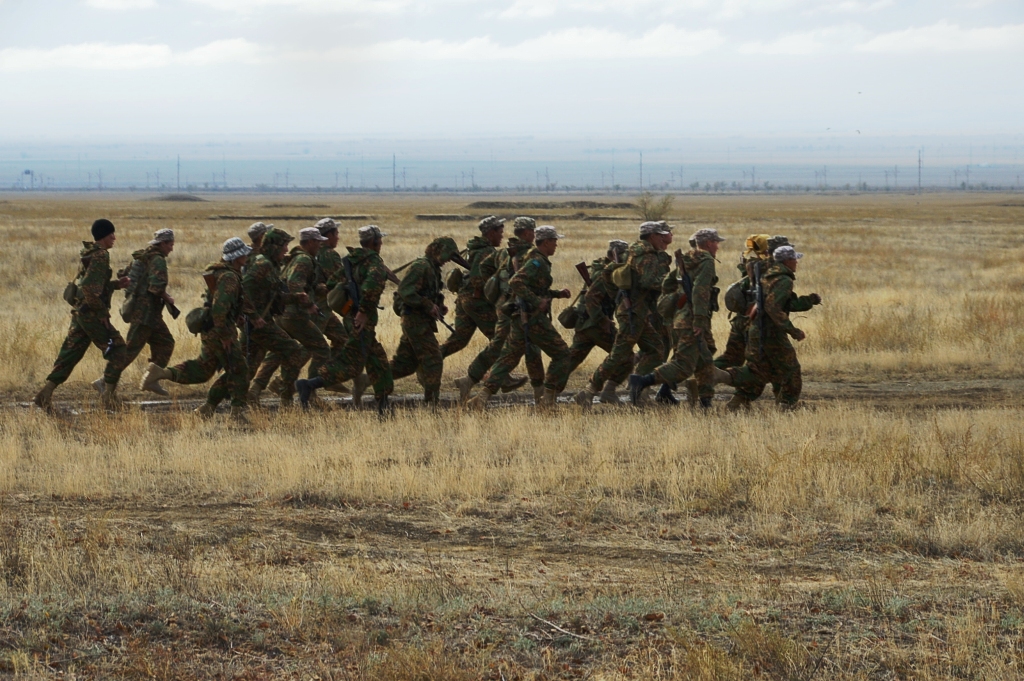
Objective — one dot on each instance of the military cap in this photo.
(655, 227)
(102, 228)
(777, 241)
(490, 222)
(162, 236)
(784, 253)
(706, 235)
(256, 229)
(326, 226)
(446, 249)
(522, 223)
(545, 232)
(310, 234)
(370, 232)
(277, 236)
(235, 248)
(617, 245)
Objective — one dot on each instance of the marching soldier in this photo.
(301, 275)
(220, 346)
(330, 271)
(760, 248)
(255, 233)
(420, 303)
(771, 357)
(528, 308)
(472, 309)
(90, 318)
(362, 349)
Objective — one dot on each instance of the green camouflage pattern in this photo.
(594, 327)
(300, 275)
(418, 350)
(693, 355)
(472, 311)
(371, 274)
(271, 348)
(148, 305)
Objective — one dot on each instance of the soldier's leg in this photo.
(334, 331)
(489, 355)
(199, 370)
(422, 354)
(73, 349)
(736, 346)
(283, 351)
(138, 336)
(234, 381)
(305, 331)
(483, 314)
(161, 344)
(651, 350)
(405, 361)
(787, 375)
(547, 338)
(115, 357)
(617, 365)
(464, 325)
(534, 364)
(751, 378)
(683, 362)
(378, 369)
(582, 344)
(508, 359)
(704, 371)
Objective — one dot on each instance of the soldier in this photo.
(301, 276)
(145, 307)
(644, 269)
(528, 308)
(362, 350)
(90, 318)
(501, 265)
(255, 233)
(772, 358)
(472, 309)
(595, 326)
(330, 271)
(420, 304)
(691, 323)
(220, 346)
(759, 250)
(268, 346)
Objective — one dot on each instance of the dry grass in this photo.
(837, 542)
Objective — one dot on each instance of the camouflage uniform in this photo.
(633, 319)
(363, 350)
(146, 320)
(227, 302)
(501, 262)
(472, 310)
(418, 351)
(90, 319)
(330, 271)
(530, 284)
(301, 275)
(736, 347)
(693, 354)
(778, 362)
(594, 327)
(270, 347)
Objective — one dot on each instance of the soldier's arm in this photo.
(95, 281)
(703, 279)
(594, 299)
(489, 264)
(651, 272)
(776, 304)
(800, 303)
(409, 288)
(670, 282)
(299, 272)
(372, 287)
(157, 277)
(334, 271)
(228, 290)
(520, 283)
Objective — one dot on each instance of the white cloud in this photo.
(947, 37)
(809, 42)
(314, 6)
(126, 57)
(121, 4)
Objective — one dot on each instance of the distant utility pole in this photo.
(896, 176)
(918, 171)
(641, 171)
(394, 174)
(753, 177)
(179, 172)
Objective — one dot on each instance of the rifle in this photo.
(173, 309)
(581, 267)
(353, 302)
(392, 273)
(759, 305)
(524, 317)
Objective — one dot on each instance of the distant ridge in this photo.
(547, 205)
(178, 197)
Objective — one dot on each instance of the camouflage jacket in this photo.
(330, 272)
(94, 284)
(505, 262)
(148, 296)
(421, 286)
(480, 251)
(780, 300)
(226, 301)
(532, 282)
(598, 304)
(262, 284)
(697, 311)
(649, 268)
(371, 275)
(301, 277)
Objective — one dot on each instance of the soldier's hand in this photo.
(258, 322)
(321, 288)
(302, 298)
(815, 299)
(169, 299)
(752, 313)
(545, 304)
(435, 311)
(800, 335)
(123, 282)
(359, 323)
(565, 293)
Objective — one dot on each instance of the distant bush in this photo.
(650, 208)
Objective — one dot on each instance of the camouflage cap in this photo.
(784, 253)
(490, 222)
(310, 234)
(370, 233)
(706, 235)
(163, 236)
(234, 248)
(256, 229)
(776, 241)
(655, 227)
(277, 236)
(522, 223)
(326, 226)
(545, 232)
(445, 247)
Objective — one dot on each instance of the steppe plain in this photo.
(873, 534)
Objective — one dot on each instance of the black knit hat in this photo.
(101, 229)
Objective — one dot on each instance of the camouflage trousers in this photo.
(693, 356)
(86, 330)
(618, 365)
(542, 337)
(418, 352)
(489, 355)
(269, 348)
(586, 340)
(472, 312)
(736, 347)
(304, 330)
(332, 329)
(159, 339)
(234, 382)
(361, 351)
(779, 366)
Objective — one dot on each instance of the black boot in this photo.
(637, 382)
(665, 395)
(385, 409)
(306, 387)
(705, 403)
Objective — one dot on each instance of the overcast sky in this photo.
(414, 68)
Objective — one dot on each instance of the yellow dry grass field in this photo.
(875, 534)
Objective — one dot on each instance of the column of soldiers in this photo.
(269, 310)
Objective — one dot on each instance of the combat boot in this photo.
(585, 397)
(513, 383)
(98, 385)
(692, 392)
(44, 398)
(253, 396)
(206, 411)
(238, 416)
(548, 399)
(608, 393)
(538, 393)
(385, 409)
(638, 385)
(109, 398)
(738, 403)
(705, 403)
(151, 379)
(431, 396)
(721, 376)
(465, 386)
(479, 403)
(665, 396)
(359, 385)
(275, 385)
(307, 389)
